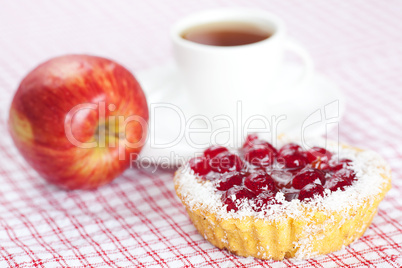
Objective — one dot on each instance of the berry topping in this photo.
(318, 152)
(243, 193)
(225, 162)
(335, 166)
(290, 148)
(319, 164)
(292, 157)
(213, 151)
(252, 141)
(296, 173)
(311, 190)
(231, 205)
(200, 165)
(259, 155)
(234, 196)
(294, 160)
(259, 182)
(308, 176)
(341, 179)
(334, 183)
(228, 180)
(346, 174)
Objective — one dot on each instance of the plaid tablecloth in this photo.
(137, 221)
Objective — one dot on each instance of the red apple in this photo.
(79, 120)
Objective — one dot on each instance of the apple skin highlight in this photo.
(78, 120)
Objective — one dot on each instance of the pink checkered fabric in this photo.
(136, 221)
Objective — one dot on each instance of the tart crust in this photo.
(317, 232)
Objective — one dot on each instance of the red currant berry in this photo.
(311, 190)
(318, 152)
(346, 174)
(234, 195)
(342, 163)
(290, 148)
(340, 180)
(259, 182)
(259, 155)
(321, 165)
(335, 183)
(200, 165)
(244, 193)
(228, 180)
(230, 204)
(307, 176)
(213, 151)
(225, 162)
(256, 142)
(293, 161)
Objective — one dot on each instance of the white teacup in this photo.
(217, 77)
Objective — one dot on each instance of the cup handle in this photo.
(308, 67)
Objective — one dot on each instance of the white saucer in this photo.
(315, 111)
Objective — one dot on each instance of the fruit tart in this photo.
(285, 201)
